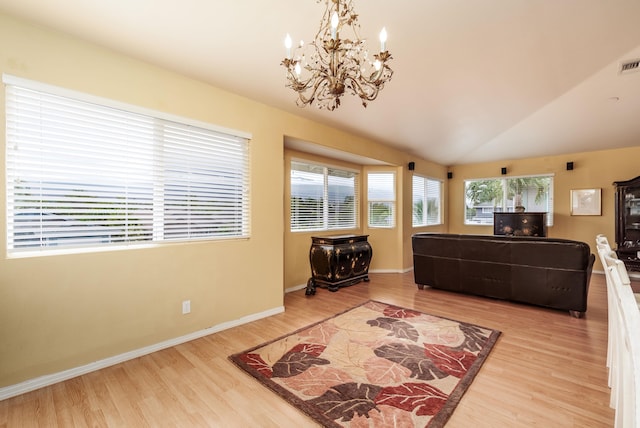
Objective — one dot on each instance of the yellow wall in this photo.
(63, 311)
(591, 170)
(391, 246)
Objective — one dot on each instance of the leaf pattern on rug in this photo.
(396, 312)
(399, 329)
(321, 333)
(373, 366)
(381, 371)
(347, 400)
(349, 354)
(474, 337)
(443, 333)
(383, 416)
(309, 348)
(410, 396)
(453, 362)
(256, 362)
(300, 358)
(316, 380)
(412, 357)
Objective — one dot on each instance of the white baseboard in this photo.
(295, 288)
(301, 286)
(42, 381)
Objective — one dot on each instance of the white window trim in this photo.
(326, 167)
(440, 200)
(393, 202)
(181, 121)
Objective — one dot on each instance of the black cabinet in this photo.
(520, 224)
(338, 261)
(628, 222)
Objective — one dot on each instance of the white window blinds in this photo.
(427, 199)
(322, 198)
(83, 174)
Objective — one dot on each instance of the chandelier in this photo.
(336, 60)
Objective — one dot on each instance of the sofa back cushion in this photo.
(514, 250)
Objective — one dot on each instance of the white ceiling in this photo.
(473, 80)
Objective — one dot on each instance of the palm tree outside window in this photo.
(483, 197)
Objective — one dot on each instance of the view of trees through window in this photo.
(483, 197)
(381, 193)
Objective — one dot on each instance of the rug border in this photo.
(456, 395)
(437, 421)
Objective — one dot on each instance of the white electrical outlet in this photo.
(186, 307)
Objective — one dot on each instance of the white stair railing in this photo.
(623, 350)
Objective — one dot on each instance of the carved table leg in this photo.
(311, 287)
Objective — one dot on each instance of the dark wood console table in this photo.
(338, 261)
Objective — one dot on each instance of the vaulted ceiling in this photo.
(473, 81)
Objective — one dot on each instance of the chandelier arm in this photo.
(379, 77)
(364, 90)
(315, 93)
(335, 64)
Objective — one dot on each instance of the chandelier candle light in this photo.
(321, 71)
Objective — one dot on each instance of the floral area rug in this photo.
(375, 365)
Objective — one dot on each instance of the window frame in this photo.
(329, 221)
(66, 238)
(505, 198)
(425, 214)
(389, 202)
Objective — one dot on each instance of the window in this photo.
(83, 173)
(381, 193)
(427, 198)
(322, 197)
(485, 196)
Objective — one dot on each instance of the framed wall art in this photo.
(586, 202)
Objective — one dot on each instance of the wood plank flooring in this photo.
(547, 369)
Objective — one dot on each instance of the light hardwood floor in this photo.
(547, 369)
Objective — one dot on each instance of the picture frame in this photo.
(586, 201)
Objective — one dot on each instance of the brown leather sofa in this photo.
(548, 272)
